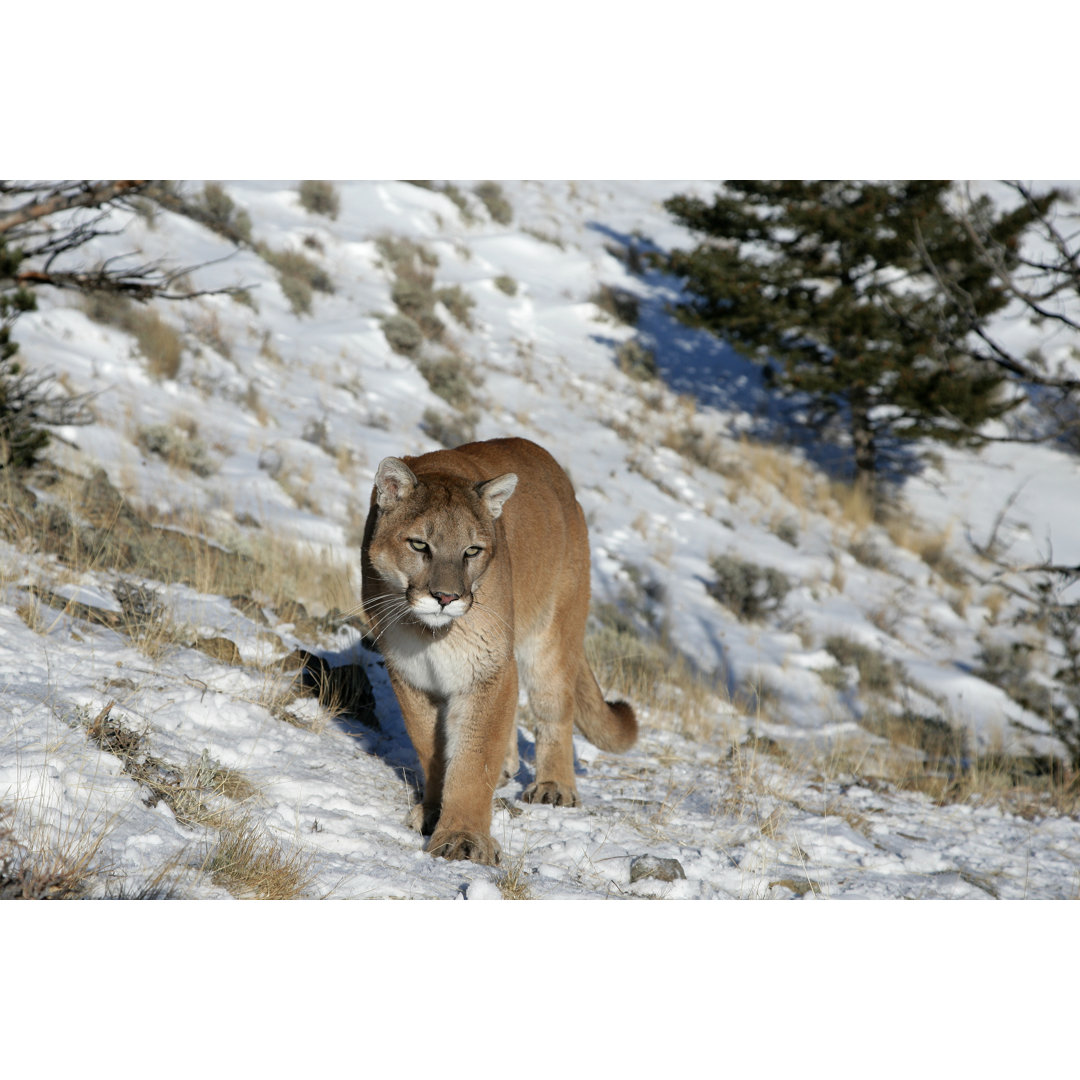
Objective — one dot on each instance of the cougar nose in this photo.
(446, 598)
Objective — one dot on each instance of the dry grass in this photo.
(848, 504)
(52, 865)
(195, 792)
(650, 673)
(245, 858)
(341, 691)
(146, 622)
(512, 880)
(206, 328)
(250, 862)
(294, 576)
(159, 343)
(89, 526)
(768, 467)
(930, 545)
(934, 757)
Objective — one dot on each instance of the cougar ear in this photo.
(394, 481)
(496, 492)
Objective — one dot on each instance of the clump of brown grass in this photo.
(159, 343)
(512, 881)
(249, 861)
(931, 755)
(648, 671)
(932, 546)
(56, 869)
(851, 504)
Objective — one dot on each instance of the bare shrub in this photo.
(492, 196)
(1011, 667)
(636, 360)
(459, 303)
(298, 277)
(746, 589)
(401, 255)
(450, 428)
(221, 213)
(457, 197)
(452, 377)
(320, 197)
(414, 295)
(622, 306)
(877, 674)
(179, 448)
(402, 334)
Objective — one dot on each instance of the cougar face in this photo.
(434, 541)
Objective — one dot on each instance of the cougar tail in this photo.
(609, 725)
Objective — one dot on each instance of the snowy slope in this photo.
(295, 412)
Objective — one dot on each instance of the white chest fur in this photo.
(445, 666)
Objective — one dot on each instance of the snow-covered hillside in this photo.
(827, 728)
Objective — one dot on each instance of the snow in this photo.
(741, 821)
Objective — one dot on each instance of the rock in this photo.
(346, 689)
(649, 866)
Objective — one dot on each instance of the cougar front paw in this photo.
(551, 792)
(465, 845)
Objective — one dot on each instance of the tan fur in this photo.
(500, 586)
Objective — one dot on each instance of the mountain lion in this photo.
(475, 569)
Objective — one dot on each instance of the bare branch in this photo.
(994, 261)
(139, 284)
(64, 200)
(997, 354)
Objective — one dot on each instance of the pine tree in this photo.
(21, 439)
(838, 283)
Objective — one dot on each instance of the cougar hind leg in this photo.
(551, 699)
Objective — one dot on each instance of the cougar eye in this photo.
(418, 545)
(472, 552)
